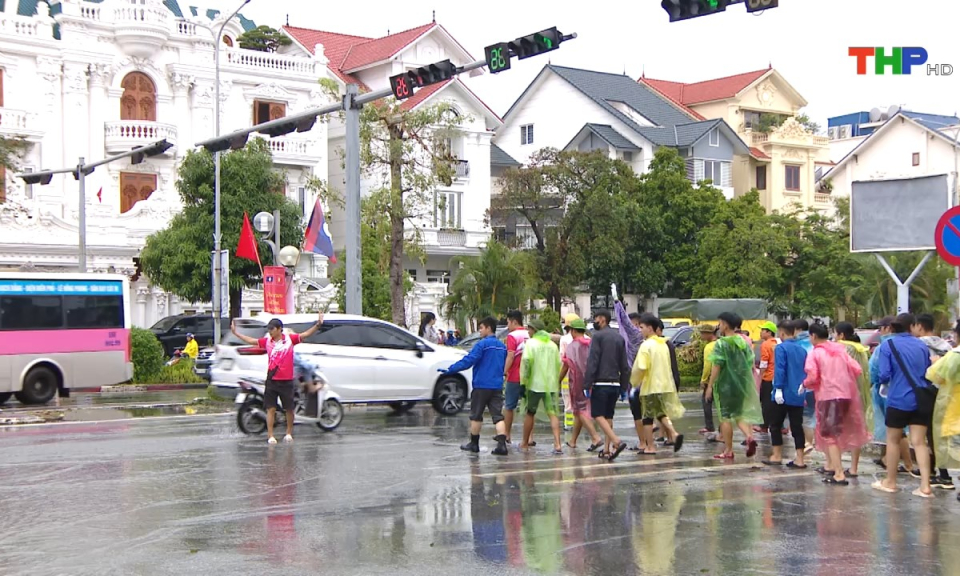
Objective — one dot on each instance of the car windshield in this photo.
(166, 324)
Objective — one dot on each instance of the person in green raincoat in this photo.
(732, 385)
(540, 376)
(946, 411)
(860, 353)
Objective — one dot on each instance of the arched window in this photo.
(228, 40)
(139, 100)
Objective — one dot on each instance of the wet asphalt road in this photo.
(394, 495)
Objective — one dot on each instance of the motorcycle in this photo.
(314, 401)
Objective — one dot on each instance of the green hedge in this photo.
(149, 365)
(147, 355)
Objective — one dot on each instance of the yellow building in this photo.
(785, 158)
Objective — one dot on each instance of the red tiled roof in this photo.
(758, 154)
(335, 47)
(707, 90)
(422, 94)
(362, 54)
(672, 96)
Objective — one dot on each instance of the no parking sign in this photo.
(947, 236)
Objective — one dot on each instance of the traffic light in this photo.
(760, 5)
(404, 84)
(86, 172)
(534, 44)
(42, 178)
(154, 149)
(498, 55)
(304, 125)
(686, 9)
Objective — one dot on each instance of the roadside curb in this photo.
(124, 388)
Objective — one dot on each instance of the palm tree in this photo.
(498, 280)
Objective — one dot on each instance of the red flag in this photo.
(247, 247)
(100, 195)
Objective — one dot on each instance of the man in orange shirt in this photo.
(768, 337)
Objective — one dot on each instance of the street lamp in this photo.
(289, 256)
(217, 271)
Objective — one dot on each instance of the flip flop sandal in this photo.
(878, 485)
(620, 448)
(822, 470)
(593, 447)
(646, 453)
(603, 455)
(751, 448)
(678, 443)
(851, 474)
(771, 463)
(723, 456)
(921, 494)
(532, 443)
(571, 446)
(834, 482)
(558, 451)
(791, 464)
(667, 443)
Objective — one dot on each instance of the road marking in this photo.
(663, 471)
(600, 465)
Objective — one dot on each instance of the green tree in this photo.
(496, 281)
(263, 39)
(409, 147)
(375, 255)
(178, 258)
(684, 211)
(739, 249)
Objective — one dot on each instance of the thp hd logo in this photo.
(898, 60)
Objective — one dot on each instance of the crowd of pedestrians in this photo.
(835, 394)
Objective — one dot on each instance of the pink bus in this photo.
(62, 331)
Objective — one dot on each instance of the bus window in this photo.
(31, 312)
(93, 311)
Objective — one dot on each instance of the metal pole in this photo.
(276, 238)
(82, 257)
(903, 288)
(217, 236)
(354, 295)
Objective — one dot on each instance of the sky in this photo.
(807, 41)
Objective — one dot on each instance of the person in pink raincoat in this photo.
(832, 375)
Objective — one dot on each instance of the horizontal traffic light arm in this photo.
(45, 176)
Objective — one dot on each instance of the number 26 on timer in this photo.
(498, 57)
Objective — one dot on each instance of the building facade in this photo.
(453, 222)
(91, 79)
(761, 106)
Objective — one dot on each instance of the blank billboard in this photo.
(897, 215)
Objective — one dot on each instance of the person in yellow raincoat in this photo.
(945, 374)
(652, 381)
(860, 353)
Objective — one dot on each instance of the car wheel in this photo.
(4, 397)
(251, 419)
(450, 396)
(39, 387)
(401, 407)
(331, 415)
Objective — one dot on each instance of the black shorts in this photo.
(483, 399)
(902, 418)
(636, 407)
(282, 389)
(603, 401)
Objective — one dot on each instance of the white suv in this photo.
(366, 361)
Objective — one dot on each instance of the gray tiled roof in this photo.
(611, 136)
(498, 157)
(603, 88)
(683, 135)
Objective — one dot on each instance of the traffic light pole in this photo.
(351, 104)
(80, 171)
